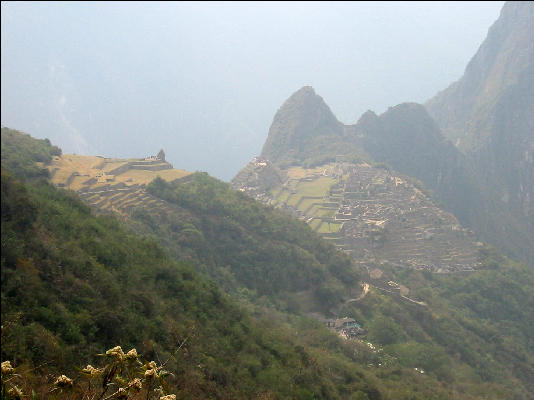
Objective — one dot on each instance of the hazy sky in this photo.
(204, 80)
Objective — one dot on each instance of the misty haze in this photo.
(267, 200)
(203, 80)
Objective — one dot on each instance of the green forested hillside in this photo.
(475, 327)
(474, 352)
(74, 284)
(21, 152)
(241, 243)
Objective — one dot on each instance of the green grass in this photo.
(313, 211)
(306, 203)
(315, 223)
(326, 212)
(283, 196)
(318, 187)
(331, 227)
(294, 199)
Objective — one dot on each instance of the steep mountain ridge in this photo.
(489, 112)
(505, 56)
(408, 139)
(303, 117)
(487, 179)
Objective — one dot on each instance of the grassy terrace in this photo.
(329, 227)
(307, 193)
(315, 223)
(316, 188)
(309, 196)
(283, 196)
(145, 177)
(89, 167)
(306, 203)
(325, 212)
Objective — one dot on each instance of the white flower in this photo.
(15, 392)
(136, 384)
(122, 393)
(7, 369)
(131, 355)
(63, 381)
(151, 373)
(116, 352)
(90, 370)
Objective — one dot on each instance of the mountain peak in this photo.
(302, 99)
(303, 118)
(305, 90)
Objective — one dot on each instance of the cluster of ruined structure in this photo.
(256, 178)
(383, 218)
(390, 218)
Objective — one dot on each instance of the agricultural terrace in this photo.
(111, 184)
(298, 173)
(308, 193)
(78, 172)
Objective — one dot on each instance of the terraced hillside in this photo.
(110, 184)
(369, 212)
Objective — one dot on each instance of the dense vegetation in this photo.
(74, 285)
(21, 153)
(242, 244)
(476, 329)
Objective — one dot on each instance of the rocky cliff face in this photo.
(489, 112)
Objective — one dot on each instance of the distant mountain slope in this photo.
(489, 112)
(387, 224)
(406, 138)
(304, 130)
